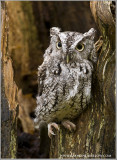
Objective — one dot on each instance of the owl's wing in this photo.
(41, 78)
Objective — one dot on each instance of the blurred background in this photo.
(29, 25)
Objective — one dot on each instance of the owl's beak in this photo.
(67, 58)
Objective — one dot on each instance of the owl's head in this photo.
(72, 46)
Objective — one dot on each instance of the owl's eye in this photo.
(59, 45)
(80, 47)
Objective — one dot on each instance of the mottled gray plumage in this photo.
(65, 76)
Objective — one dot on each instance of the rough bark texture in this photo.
(95, 133)
(9, 105)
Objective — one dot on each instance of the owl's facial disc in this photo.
(59, 46)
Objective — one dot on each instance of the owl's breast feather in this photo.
(64, 95)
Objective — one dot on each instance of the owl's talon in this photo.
(50, 131)
(69, 125)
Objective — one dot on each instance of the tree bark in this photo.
(9, 105)
(95, 133)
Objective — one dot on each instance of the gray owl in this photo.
(65, 78)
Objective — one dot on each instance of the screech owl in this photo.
(65, 78)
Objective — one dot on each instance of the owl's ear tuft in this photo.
(54, 31)
(90, 33)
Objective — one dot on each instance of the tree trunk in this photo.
(9, 105)
(95, 133)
